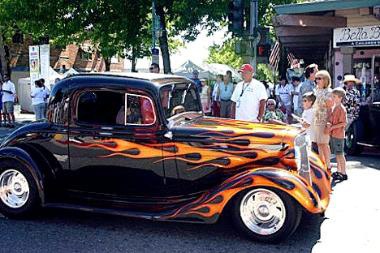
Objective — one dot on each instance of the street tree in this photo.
(188, 18)
(110, 25)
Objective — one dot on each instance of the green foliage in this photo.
(264, 72)
(111, 25)
(225, 54)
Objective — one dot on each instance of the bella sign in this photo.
(364, 36)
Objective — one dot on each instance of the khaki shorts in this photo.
(337, 146)
(8, 107)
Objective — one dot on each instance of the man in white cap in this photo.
(352, 99)
(249, 97)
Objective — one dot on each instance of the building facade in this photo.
(342, 36)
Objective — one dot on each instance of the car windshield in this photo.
(178, 98)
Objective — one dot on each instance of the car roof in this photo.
(157, 79)
(150, 81)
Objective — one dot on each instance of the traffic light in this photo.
(263, 52)
(236, 16)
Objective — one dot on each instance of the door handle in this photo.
(105, 133)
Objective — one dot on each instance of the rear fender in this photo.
(209, 206)
(21, 156)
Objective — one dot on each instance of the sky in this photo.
(196, 51)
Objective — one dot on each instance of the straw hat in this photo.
(350, 78)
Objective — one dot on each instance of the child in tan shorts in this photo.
(336, 127)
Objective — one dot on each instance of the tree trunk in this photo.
(107, 62)
(164, 46)
(3, 61)
(134, 60)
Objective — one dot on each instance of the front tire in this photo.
(266, 215)
(18, 190)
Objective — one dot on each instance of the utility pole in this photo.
(253, 34)
(155, 25)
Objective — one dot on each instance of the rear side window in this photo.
(99, 107)
(115, 108)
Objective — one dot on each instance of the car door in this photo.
(374, 106)
(374, 117)
(114, 144)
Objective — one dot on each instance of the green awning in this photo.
(327, 5)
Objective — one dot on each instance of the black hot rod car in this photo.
(139, 145)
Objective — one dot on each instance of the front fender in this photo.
(21, 156)
(208, 207)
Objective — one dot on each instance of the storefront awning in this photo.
(306, 29)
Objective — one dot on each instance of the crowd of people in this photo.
(8, 98)
(303, 96)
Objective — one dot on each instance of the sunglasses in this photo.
(151, 68)
(270, 104)
(318, 78)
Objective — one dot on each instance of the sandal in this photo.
(339, 176)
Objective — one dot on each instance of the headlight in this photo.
(301, 146)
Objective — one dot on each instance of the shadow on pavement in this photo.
(119, 234)
(369, 158)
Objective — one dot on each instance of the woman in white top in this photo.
(39, 95)
(205, 97)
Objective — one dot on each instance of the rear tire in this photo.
(354, 134)
(266, 215)
(18, 190)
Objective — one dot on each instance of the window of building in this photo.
(85, 56)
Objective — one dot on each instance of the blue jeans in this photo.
(39, 110)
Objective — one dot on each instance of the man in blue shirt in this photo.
(196, 80)
(225, 91)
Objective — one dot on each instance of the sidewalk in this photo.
(21, 119)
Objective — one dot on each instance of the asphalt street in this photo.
(21, 119)
(350, 225)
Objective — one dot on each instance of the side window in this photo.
(99, 107)
(115, 108)
(140, 110)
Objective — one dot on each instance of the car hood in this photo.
(237, 132)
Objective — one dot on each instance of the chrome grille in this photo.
(301, 154)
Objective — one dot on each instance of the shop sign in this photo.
(364, 36)
(34, 64)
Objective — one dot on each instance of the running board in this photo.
(368, 145)
(100, 210)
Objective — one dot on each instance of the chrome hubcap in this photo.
(14, 188)
(262, 211)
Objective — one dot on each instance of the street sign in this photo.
(155, 55)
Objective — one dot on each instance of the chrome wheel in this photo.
(14, 188)
(262, 211)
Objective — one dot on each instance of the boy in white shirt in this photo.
(308, 100)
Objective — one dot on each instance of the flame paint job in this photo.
(258, 154)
